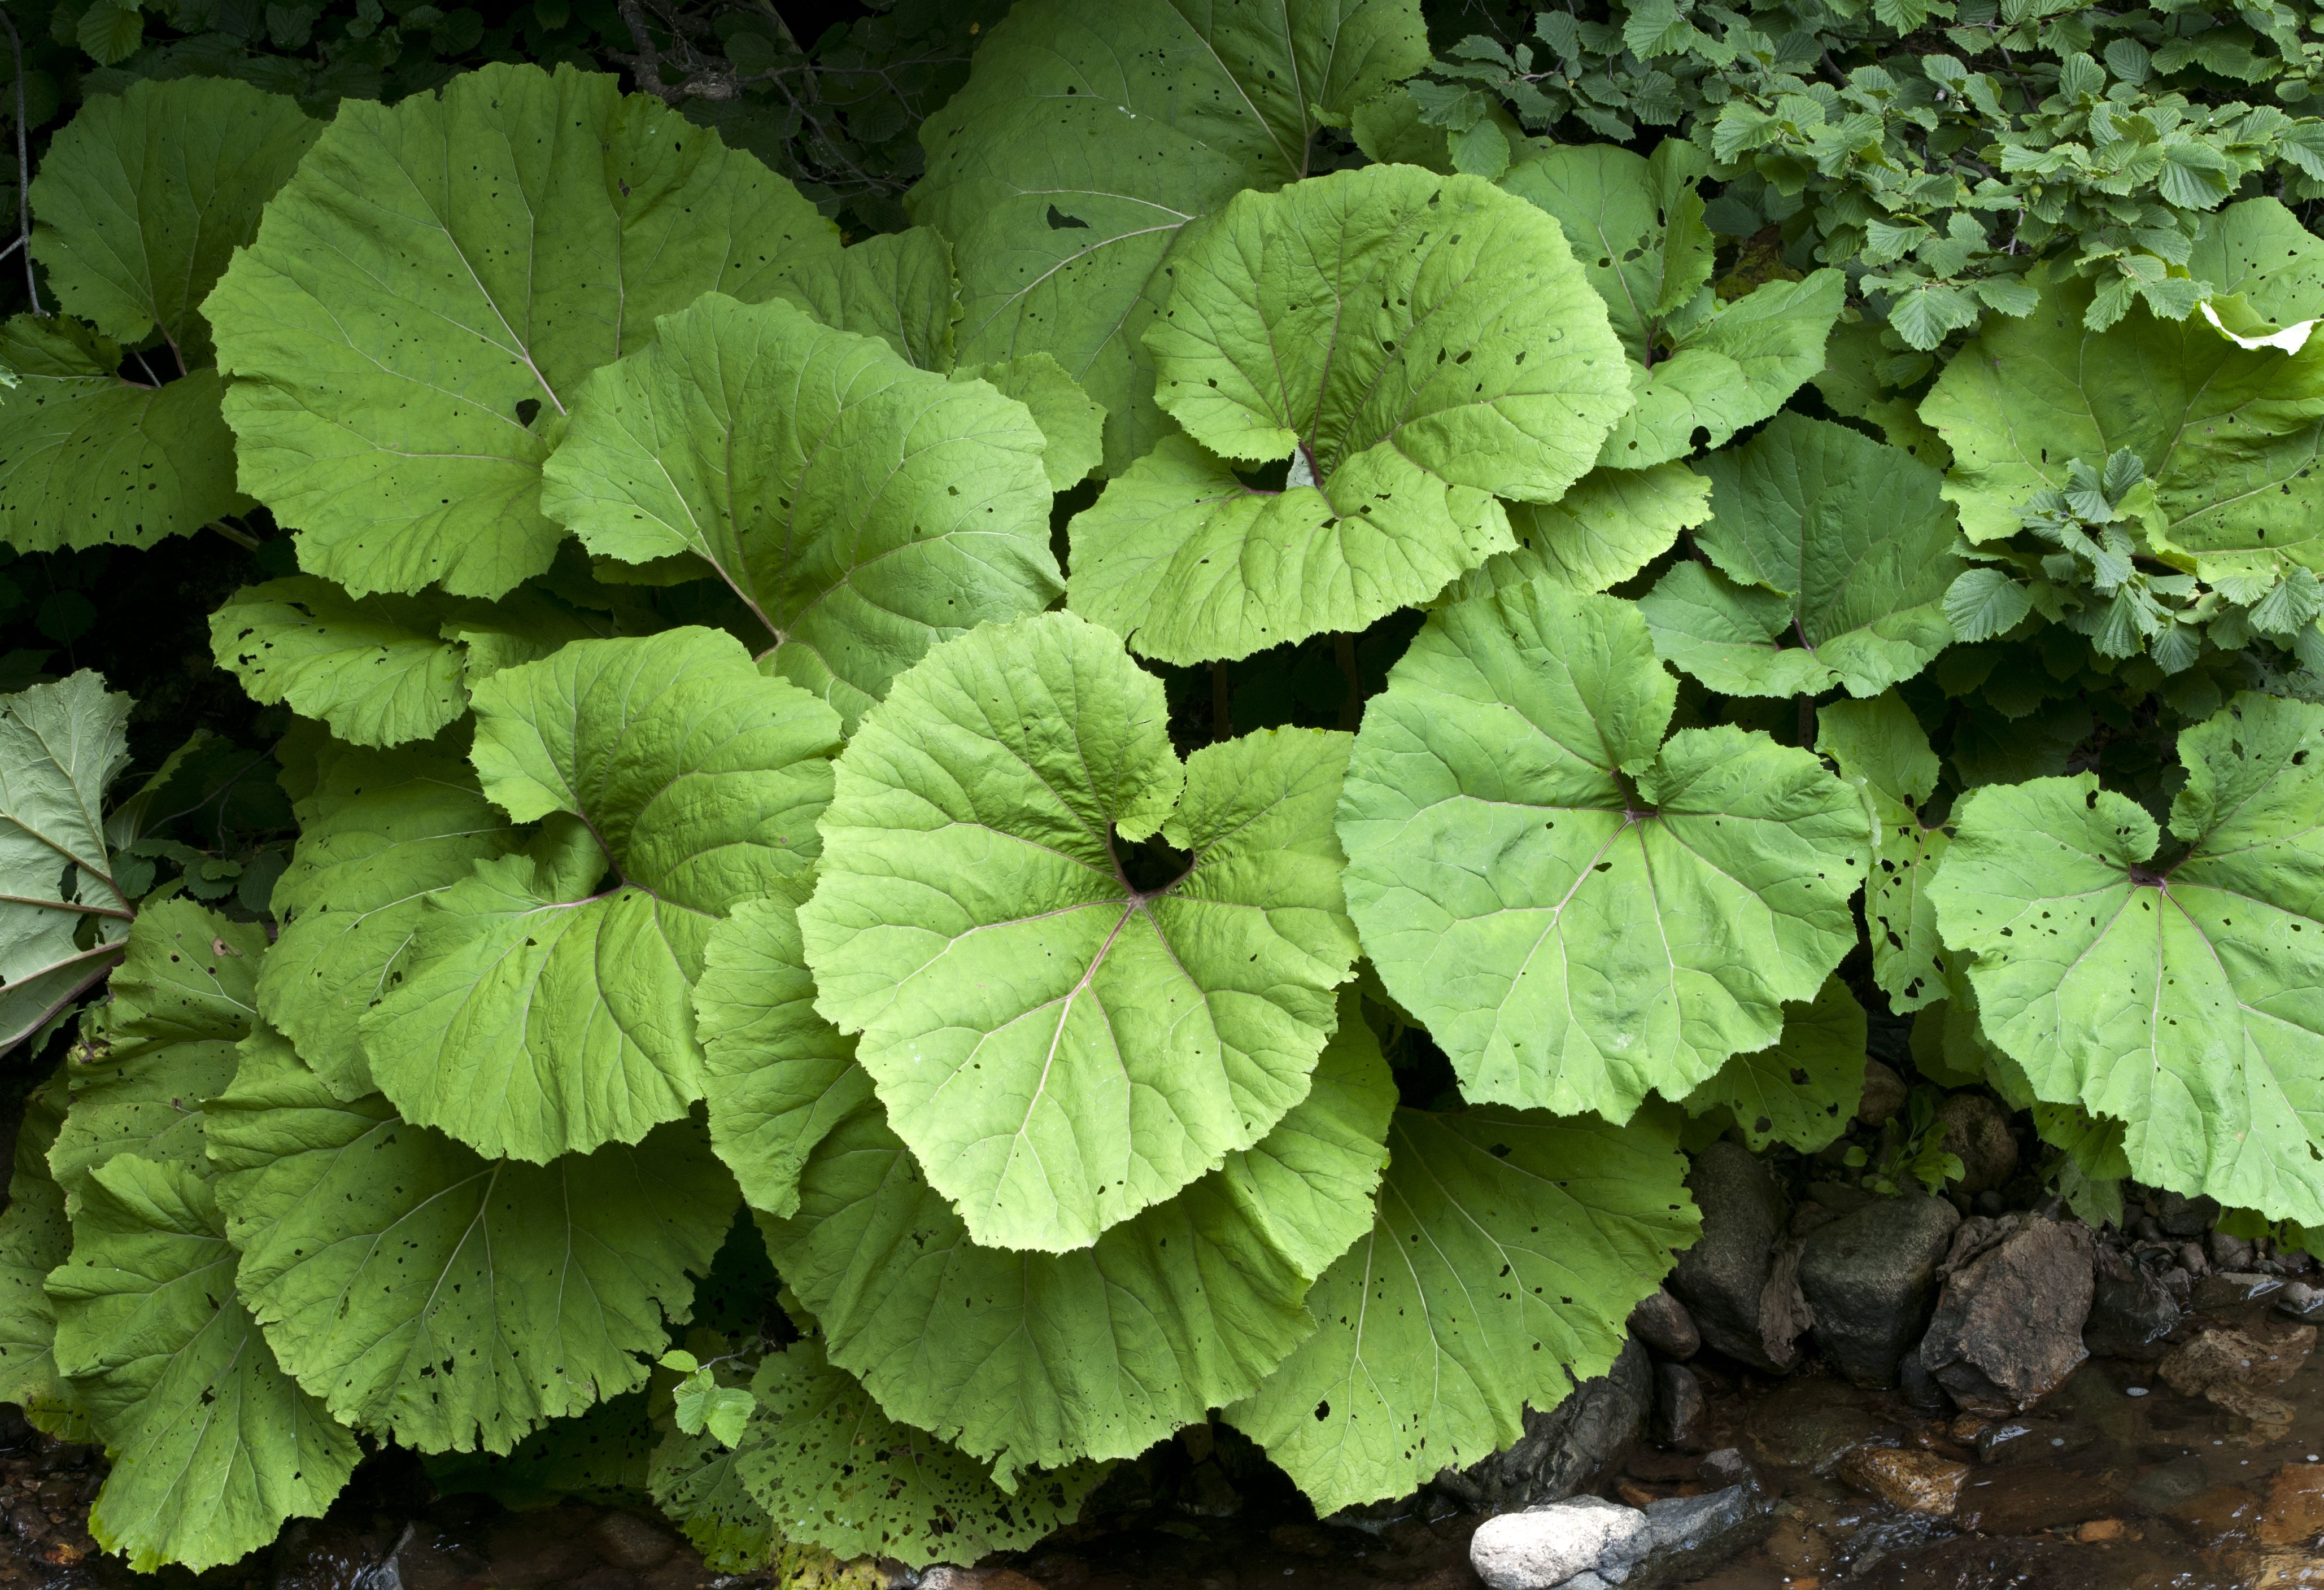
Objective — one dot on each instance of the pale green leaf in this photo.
(61, 745)
(1506, 1252)
(381, 833)
(35, 1238)
(2229, 435)
(1636, 225)
(1065, 1026)
(698, 1485)
(863, 510)
(380, 670)
(1854, 538)
(91, 458)
(1581, 911)
(1881, 748)
(1070, 420)
(212, 1445)
(1731, 370)
(1087, 140)
(1612, 524)
(450, 1300)
(545, 1006)
(896, 286)
(2179, 996)
(1801, 1091)
(142, 200)
(1416, 347)
(831, 1468)
(1043, 1359)
(439, 275)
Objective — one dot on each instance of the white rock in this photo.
(1546, 1546)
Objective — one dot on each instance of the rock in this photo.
(1976, 1128)
(1920, 1387)
(2131, 1310)
(2228, 1253)
(2295, 1504)
(1679, 1406)
(2193, 1260)
(1917, 1481)
(1565, 1448)
(2009, 1326)
(1661, 1322)
(1544, 1546)
(1871, 1279)
(2233, 1370)
(2300, 1300)
(1689, 1535)
(629, 1541)
(1882, 1095)
(2185, 1216)
(951, 1578)
(1722, 1279)
(1806, 1423)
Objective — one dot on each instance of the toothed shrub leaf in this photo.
(1505, 1253)
(861, 510)
(1065, 1026)
(1580, 910)
(546, 1004)
(212, 1445)
(431, 288)
(2177, 994)
(1417, 347)
(449, 1301)
(1836, 553)
(831, 1469)
(1084, 143)
(2229, 435)
(1032, 1359)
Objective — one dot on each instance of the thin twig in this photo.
(24, 165)
(240, 537)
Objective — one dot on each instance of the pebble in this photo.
(1917, 1481)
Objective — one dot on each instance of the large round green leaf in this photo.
(35, 1238)
(212, 1445)
(1043, 1359)
(1837, 553)
(1612, 524)
(60, 744)
(546, 1006)
(450, 1300)
(1880, 748)
(1065, 1022)
(91, 458)
(2230, 435)
(1504, 1253)
(426, 294)
(831, 1468)
(862, 510)
(1802, 1090)
(2179, 995)
(1701, 369)
(1580, 911)
(142, 198)
(1086, 140)
(1417, 347)
(381, 832)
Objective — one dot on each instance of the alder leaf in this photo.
(1417, 346)
(1839, 551)
(545, 1006)
(698, 1484)
(1882, 749)
(831, 1468)
(2177, 995)
(60, 746)
(212, 1445)
(143, 197)
(861, 510)
(1066, 1021)
(1037, 1360)
(381, 670)
(448, 1300)
(1580, 910)
(1504, 1253)
(380, 834)
(2229, 435)
(91, 458)
(1084, 142)
(425, 296)
(1801, 1091)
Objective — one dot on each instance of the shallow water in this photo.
(2117, 1482)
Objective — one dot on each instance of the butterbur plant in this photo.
(1169, 792)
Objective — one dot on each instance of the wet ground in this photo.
(2117, 1482)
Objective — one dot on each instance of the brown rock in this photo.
(1882, 1095)
(1977, 1131)
(1661, 1322)
(2101, 1529)
(2007, 1330)
(629, 1541)
(2295, 1504)
(2233, 1369)
(1917, 1481)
